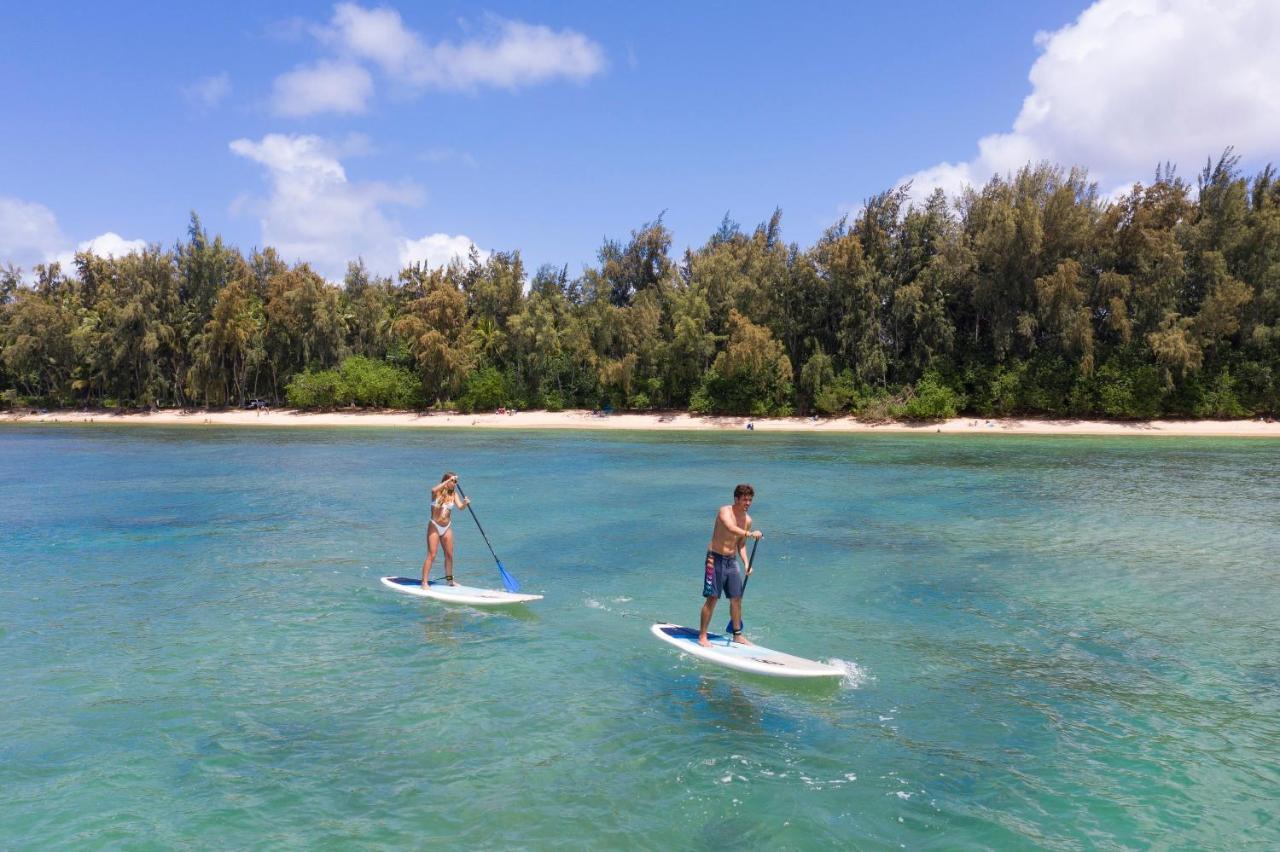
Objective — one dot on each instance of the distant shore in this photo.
(658, 422)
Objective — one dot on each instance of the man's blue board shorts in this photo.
(722, 578)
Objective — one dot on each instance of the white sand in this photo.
(652, 422)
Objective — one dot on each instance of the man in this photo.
(728, 541)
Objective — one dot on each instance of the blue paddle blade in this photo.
(728, 628)
(508, 580)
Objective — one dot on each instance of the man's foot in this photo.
(426, 583)
(740, 639)
(449, 580)
(703, 640)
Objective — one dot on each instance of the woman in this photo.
(444, 499)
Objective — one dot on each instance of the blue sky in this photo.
(412, 130)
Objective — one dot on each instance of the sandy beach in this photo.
(580, 419)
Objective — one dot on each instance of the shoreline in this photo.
(657, 422)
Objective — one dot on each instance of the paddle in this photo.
(728, 628)
(507, 579)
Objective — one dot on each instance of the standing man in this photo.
(723, 577)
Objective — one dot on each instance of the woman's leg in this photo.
(433, 542)
(448, 555)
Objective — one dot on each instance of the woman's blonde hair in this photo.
(443, 498)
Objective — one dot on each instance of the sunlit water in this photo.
(1065, 643)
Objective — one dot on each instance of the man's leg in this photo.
(735, 615)
(708, 608)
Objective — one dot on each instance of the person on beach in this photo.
(722, 575)
(444, 499)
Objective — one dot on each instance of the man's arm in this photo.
(731, 523)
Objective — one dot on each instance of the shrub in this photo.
(932, 400)
(308, 390)
(483, 390)
(838, 395)
(552, 401)
(366, 382)
(357, 381)
(1219, 400)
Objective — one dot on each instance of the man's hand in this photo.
(756, 534)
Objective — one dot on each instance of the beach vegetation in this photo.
(1032, 295)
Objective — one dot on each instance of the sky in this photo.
(410, 132)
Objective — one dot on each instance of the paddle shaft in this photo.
(751, 563)
(477, 520)
(507, 579)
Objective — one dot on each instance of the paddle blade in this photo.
(508, 580)
(728, 628)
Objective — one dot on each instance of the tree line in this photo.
(1031, 295)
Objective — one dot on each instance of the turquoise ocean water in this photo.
(1064, 643)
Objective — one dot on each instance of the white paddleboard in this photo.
(756, 659)
(441, 591)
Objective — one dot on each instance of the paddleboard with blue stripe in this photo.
(441, 591)
(756, 659)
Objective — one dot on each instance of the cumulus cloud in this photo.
(315, 213)
(1133, 83)
(509, 54)
(109, 244)
(29, 233)
(437, 250)
(341, 87)
(208, 92)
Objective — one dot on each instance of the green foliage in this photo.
(553, 401)
(1219, 399)
(1119, 391)
(485, 390)
(932, 399)
(840, 395)
(358, 381)
(751, 376)
(319, 390)
(1030, 296)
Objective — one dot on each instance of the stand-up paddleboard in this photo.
(745, 658)
(442, 591)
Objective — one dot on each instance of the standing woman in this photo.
(444, 499)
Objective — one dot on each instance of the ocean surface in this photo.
(1058, 643)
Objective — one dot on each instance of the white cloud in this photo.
(315, 213)
(109, 244)
(208, 92)
(510, 55)
(29, 233)
(1134, 83)
(448, 155)
(342, 87)
(437, 250)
